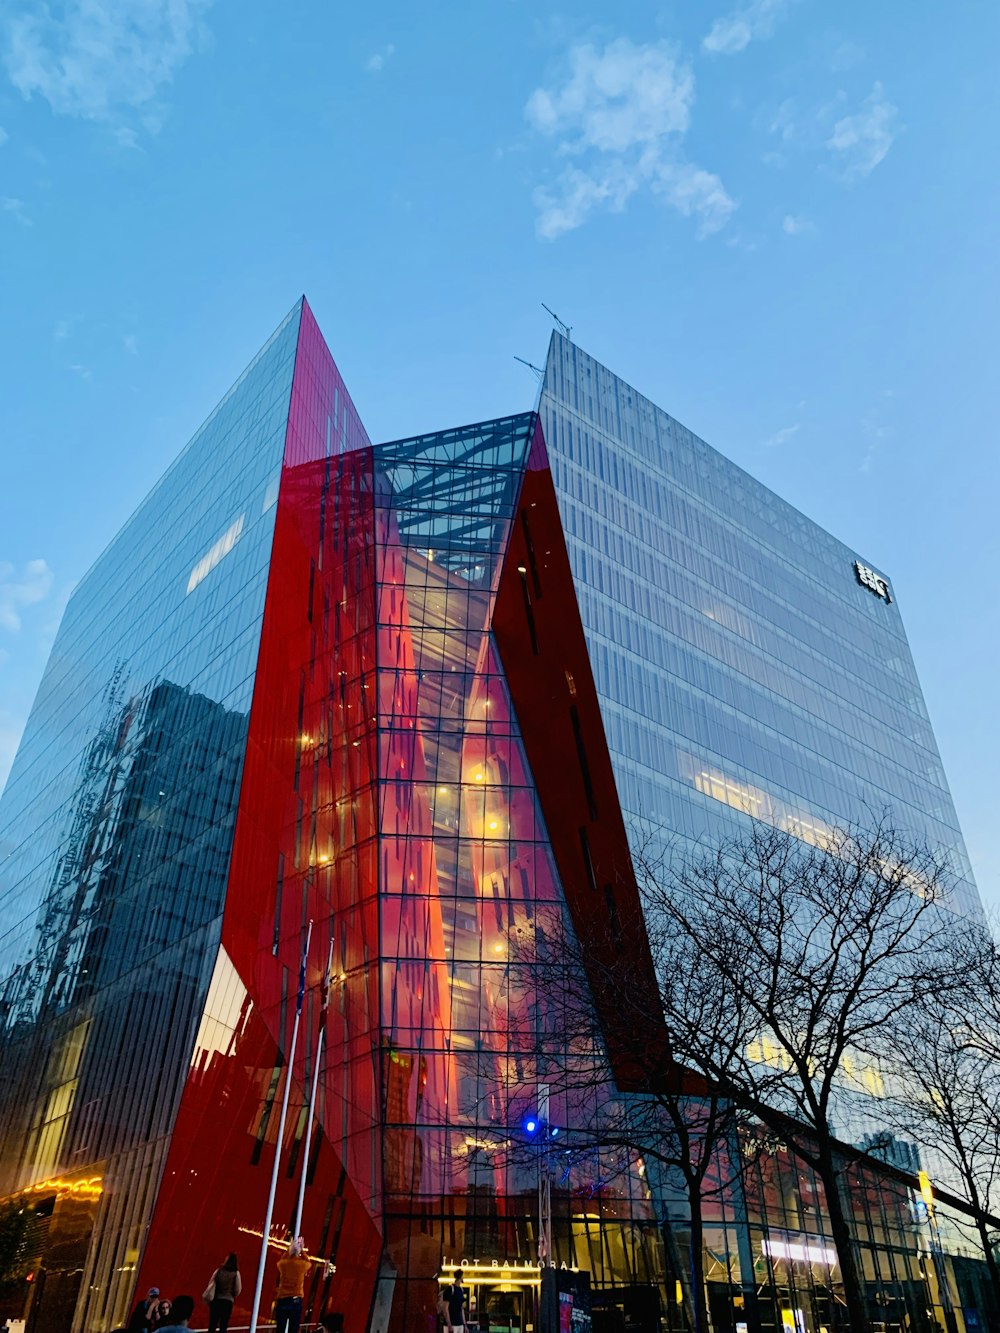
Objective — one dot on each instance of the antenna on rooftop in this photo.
(538, 372)
(564, 329)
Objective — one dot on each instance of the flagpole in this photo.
(281, 1133)
(307, 1142)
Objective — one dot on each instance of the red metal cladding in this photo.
(543, 651)
(305, 848)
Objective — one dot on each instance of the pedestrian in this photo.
(453, 1297)
(225, 1285)
(180, 1311)
(143, 1316)
(292, 1270)
(159, 1316)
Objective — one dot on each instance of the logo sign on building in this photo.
(873, 582)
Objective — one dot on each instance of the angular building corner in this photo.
(415, 693)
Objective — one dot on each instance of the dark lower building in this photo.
(409, 693)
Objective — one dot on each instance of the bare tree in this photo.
(945, 1081)
(819, 949)
(781, 970)
(634, 1106)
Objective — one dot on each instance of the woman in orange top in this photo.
(292, 1272)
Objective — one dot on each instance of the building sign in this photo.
(873, 582)
(504, 1269)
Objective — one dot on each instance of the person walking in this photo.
(453, 1297)
(223, 1288)
(292, 1270)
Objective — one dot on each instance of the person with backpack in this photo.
(451, 1304)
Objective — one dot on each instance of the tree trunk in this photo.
(857, 1308)
(699, 1305)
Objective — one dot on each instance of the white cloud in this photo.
(15, 207)
(783, 122)
(376, 63)
(862, 140)
(18, 590)
(91, 58)
(792, 225)
(125, 137)
(695, 193)
(131, 344)
(616, 99)
(576, 196)
(621, 115)
(734, 32)
(782, 436)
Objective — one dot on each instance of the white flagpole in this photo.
(281, 1133)
(307, 1142)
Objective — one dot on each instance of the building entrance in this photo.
(503, 1309)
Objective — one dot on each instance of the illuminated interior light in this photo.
(804, 1251)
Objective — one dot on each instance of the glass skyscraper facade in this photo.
(744, 667)
(414, 693)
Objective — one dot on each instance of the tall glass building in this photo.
(747, 662)
(414, 693)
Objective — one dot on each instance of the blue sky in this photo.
(778, 219)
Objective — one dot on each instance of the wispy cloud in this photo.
(734, 32)
(131, 344)
(93, 58)
(782, 436)
(620, 115)
(793, 225)
(876, 429)
(861, 141)
(4, 136)
(16, 209)
(125, 137)
(21, 588)
(857, 141)
(377, 61)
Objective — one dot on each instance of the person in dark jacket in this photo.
(143, 1317)
(225, 1285)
